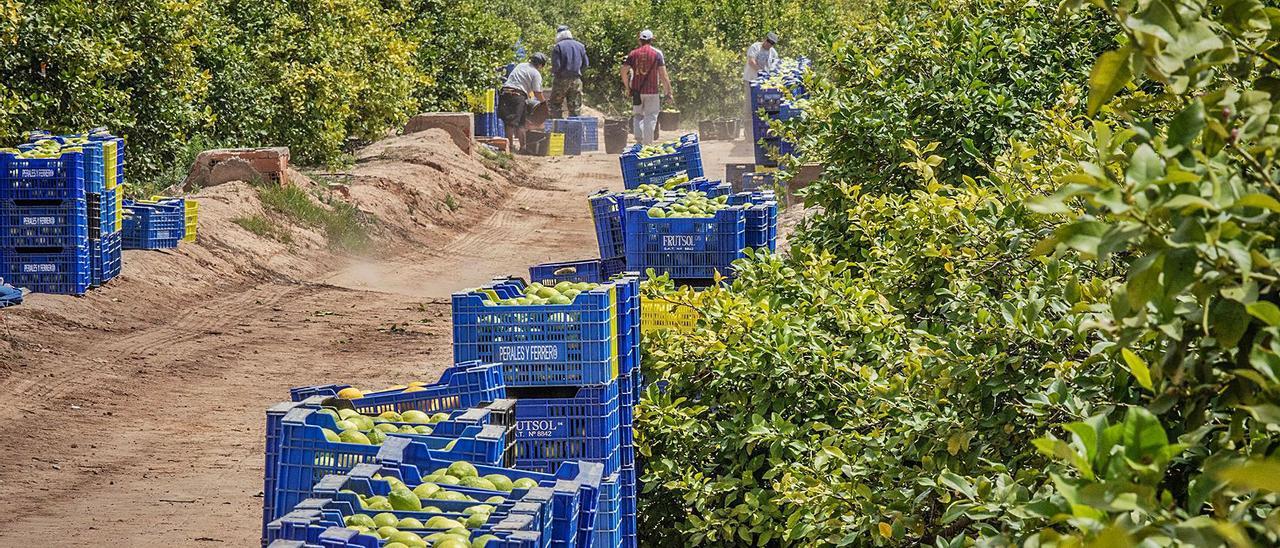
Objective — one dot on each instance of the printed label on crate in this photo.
(542, 429)
(42, 172)
(39, 268)
(162, 235)
(39, 221)
(529, 353)
(679, 242)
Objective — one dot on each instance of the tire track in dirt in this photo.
(152, 432)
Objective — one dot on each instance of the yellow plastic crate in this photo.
(555, 145)
(193, 213)
(110, 154)
(490, 101)
(613, 328)
(657, 315)
(120, 208)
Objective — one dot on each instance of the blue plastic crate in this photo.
(767, 99)
(686, 248)
(461, 386)
(629, 489)
(466, 384)
(305, 456)
(330, 498)
(60, 178)
(590, 271)
(488, 125)
(629, 324)
(762, 226)
(607, 213)
(576, 485)
(44, 223)
(656, 170)
(574, 133)
(317, 527)
(608, 523)
(101, 135)
(769, 149)
(712, 188)
(590, 132)
(102, 213)
(64, 271)
(572, 271)
(540, 345)
(93, 166)
(154, 226)
(562, 424)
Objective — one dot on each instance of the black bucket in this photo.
(536, 142)
(616, 134)
(669, 120)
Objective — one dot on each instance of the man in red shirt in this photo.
(644, 75)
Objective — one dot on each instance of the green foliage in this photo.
(968, 75)
(307, 75)
(1075, 342)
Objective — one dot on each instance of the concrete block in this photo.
(219, 166)
(460, 126)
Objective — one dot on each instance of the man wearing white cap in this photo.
(644, 75)
(761, 56)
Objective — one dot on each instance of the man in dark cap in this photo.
(525, 80)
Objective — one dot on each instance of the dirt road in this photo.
(134, 415)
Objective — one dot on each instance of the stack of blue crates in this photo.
(571, 369)
(487, 123)
(775, 104)
(44, 223)
(574, 131)
(590, 132)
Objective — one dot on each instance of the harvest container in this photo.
(306, 456)
(563, 424)
(461, 386)
(686, 248)
(46, 223)
(656, 170)
(61, 178)
(59, 271)
(154, 225)
(539, 345)
(657, 315)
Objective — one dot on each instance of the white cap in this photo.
(646, 34)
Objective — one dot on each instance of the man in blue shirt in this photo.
(568, 61)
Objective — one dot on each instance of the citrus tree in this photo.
(1072, 343)
(311, 76)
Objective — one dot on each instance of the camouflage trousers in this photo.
(566, 90)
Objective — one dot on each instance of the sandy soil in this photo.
(134, 415)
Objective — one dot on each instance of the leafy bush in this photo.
(968, 75)
(302, 74)
(1079, 344)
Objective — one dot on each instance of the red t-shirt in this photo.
(644, 62)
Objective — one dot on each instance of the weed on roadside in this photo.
(345, 227)
(264, 228)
